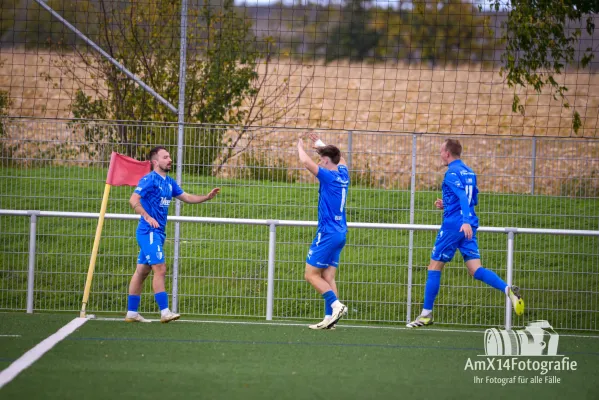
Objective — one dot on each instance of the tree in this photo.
(539, 45)
(352, 38)
(444, 31)
(331, 32)
(25, 23)
(439, 32)
(222, 82)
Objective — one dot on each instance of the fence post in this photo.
(270, 286)
(180, 128)
(509, 278)
(350, 135)
(175, 302)
(31, 269)
(411, 237)
(534, 165)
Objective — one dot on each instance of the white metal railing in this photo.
(272, 224)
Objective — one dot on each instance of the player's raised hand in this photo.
(439, 204)
(467, 229)
(153, 223)
(315, 138)
(213, 193)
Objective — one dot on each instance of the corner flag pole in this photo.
(123, 171)
(92, 261)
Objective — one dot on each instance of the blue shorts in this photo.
(150, 245)
(326, 249)
(450, 240)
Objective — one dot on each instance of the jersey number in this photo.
(342, 200)
(469, 190)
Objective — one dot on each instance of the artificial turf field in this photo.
(110, 359)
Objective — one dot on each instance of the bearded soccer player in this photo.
(151, 200)
(458, 231)
(323, 257)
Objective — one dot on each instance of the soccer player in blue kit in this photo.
(323, 257)
(151, 200)
(458, 231)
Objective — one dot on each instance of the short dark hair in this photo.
(155, 151)
(330, 151)
(454, 147)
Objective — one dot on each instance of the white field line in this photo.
(39, 350)
(344, 325)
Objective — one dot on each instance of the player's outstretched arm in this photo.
(135, 203)
(196, 199)
(316, 143)
(305, 159)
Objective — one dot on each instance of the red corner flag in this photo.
(125, 170)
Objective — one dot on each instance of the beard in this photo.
(166, 168)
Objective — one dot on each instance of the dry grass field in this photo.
(465, 99)
(376, 102)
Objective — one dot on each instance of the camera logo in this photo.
(537, 339)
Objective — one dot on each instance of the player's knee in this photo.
(159, 269)
(143, 271)
(311, 273)
(307, 276)
(329, 279)
(143, 274)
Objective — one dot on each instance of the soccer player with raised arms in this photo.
(323, 257)
(151, 200)
(458, 231)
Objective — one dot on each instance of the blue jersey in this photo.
(332, 194)
(460, 195)
(156, 194)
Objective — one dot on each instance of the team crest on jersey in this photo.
(159, 255)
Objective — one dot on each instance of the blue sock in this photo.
(162, 300)
(433, 283)
(328, 309)
(490, 278)
(133, 302)
(329, 298)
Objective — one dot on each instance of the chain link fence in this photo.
(543, 183)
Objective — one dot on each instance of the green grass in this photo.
(223, 268)
(112, 359)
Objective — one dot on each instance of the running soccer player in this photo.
(151, 200)
(323, 257)
(458, 231)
